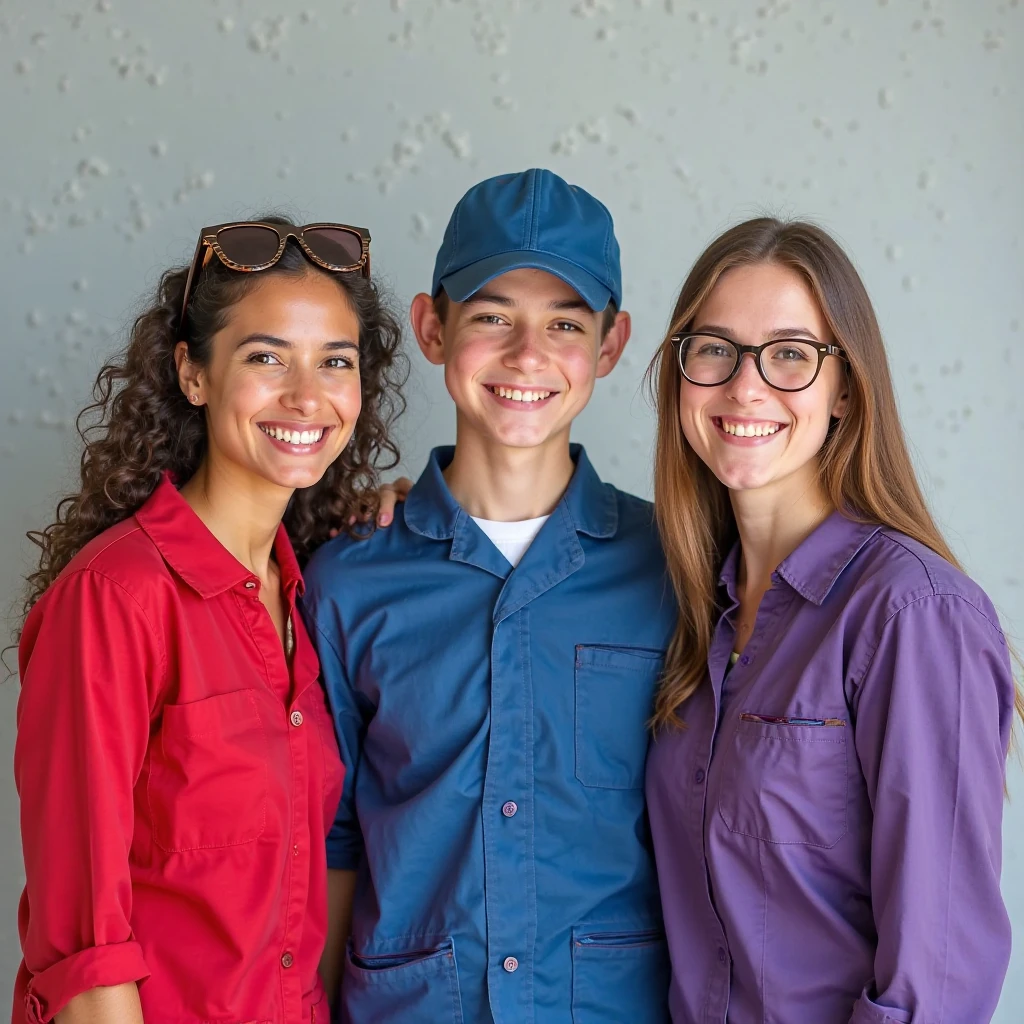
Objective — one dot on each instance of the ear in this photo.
(613, 343)
(190, 375)
(842, 401)
(427, 327)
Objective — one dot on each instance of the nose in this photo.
(527, 351)
(302, 393)
(747, 386)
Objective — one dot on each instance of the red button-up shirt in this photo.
(177, 780)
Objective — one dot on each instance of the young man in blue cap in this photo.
(491, 660)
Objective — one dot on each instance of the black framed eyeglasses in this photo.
(788, 364)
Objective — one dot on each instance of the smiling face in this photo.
(752, 436)
(520, 356)
(281, 389)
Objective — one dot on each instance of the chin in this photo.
(736, 479)
(296, 479)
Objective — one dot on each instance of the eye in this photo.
(714, 350)
(266, 358)
(339, 363)
(790, 353)
(489, 318)
(566, 326)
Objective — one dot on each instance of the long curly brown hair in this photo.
(139, 423)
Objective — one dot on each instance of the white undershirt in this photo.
(511, 539)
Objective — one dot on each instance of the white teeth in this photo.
(517, 395)
(750, 429)
(296, 437)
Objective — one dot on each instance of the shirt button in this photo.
(745, 660)
(721, 955)
(249, 585)
(509, 808)
(296, 718)
(287, 960)
(511, 964)
(698, 776)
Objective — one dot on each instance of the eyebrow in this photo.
(493, 298)
(778, 333)
(497, 299)
(577, 304)
(273, 342)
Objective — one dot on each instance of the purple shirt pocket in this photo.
(787, 780)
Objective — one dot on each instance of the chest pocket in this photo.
(208, 774)
(786, 783)
(614, 700)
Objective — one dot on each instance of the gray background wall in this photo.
(129, 124)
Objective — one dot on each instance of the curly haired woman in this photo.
(176, 765)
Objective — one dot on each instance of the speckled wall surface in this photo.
(129, 124)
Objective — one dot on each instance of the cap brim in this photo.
(469, 280)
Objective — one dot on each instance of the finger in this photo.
(386, 512)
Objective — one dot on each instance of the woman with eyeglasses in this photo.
(827, 777)
(175, 760)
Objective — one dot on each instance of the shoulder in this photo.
(114, 588)
(904, 572)
(346, 556)
(124, 554)
(636, 515)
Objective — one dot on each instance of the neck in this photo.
(242, 511)
(506, 484)
(772, 523)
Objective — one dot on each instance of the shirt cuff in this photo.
(99, 966)
(344, 850)
(865, 1011)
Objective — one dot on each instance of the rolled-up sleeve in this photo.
(88, 661)
(345, 839)
(933, 713)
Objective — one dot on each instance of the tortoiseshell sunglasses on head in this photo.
(254, 245)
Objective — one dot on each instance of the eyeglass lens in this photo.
(336, 246)
(787, 364)
(249, 245)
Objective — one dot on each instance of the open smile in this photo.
(747, 433)
(296, 438)
(520, 397)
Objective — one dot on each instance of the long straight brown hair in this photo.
(865, 467)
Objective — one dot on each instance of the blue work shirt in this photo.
(493, 724)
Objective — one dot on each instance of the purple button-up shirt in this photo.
(827, 826)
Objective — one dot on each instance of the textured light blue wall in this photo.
(129, 124)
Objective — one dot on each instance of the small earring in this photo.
(194, 399)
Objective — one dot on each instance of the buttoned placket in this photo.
(726, 684)
(277, 666)
(510, 885)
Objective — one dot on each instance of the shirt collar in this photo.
(814, 567)
(192, 551)
(431, 511)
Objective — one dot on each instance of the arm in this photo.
(340, 890)
(86, 659)
(933, 710)
(345, 840)
(118, 1004)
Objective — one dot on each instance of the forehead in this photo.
(762, 298)
(528, 286)
(285, 305)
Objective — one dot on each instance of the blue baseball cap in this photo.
(530, 219)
